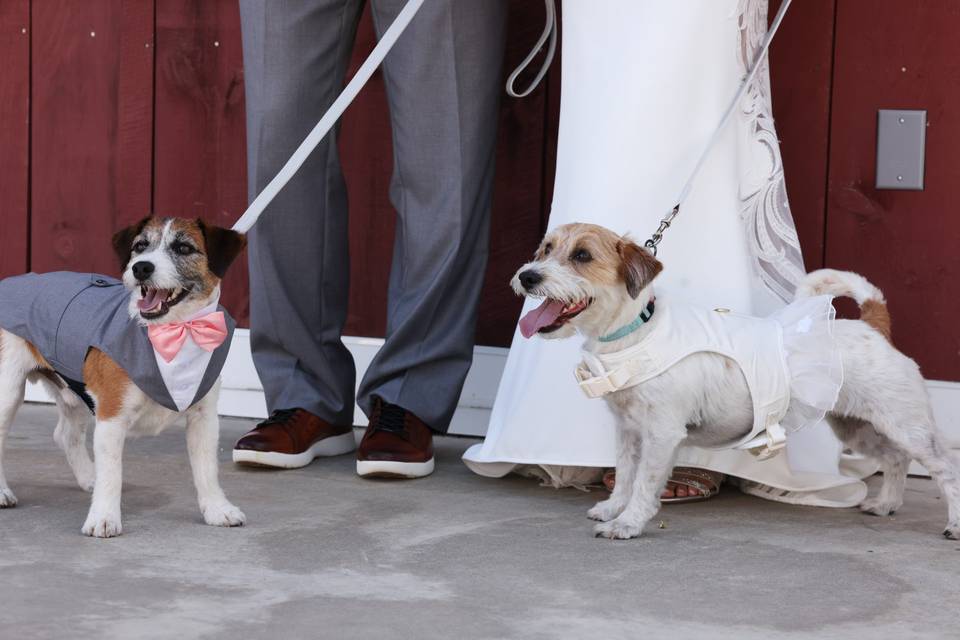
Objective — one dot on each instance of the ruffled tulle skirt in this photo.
(813, 360)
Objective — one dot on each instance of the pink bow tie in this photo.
(208, 332)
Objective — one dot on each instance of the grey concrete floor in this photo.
(326, 554)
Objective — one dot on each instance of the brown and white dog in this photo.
(172, 270)
(594, 282)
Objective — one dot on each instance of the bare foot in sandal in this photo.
(676, 490)
(687, 484)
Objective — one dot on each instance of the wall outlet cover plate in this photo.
(901, 143)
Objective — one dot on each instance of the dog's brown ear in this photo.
(638, 267)
(123, 241)
(223, 246)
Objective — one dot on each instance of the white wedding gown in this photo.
(644, 82)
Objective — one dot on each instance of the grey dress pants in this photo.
(443, 81)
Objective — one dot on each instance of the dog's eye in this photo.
(183, 249)
(546, 249)
(140, 246)
(581, 255)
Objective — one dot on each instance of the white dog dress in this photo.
(789, 360)
(65, 314)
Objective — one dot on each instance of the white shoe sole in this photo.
(392, 469)
(332, 446)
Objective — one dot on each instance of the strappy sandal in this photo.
(706, 482)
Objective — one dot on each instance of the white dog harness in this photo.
(755, 344)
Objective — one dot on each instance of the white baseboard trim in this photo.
(242, 396)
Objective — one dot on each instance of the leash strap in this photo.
(549, 32)
(319, 132)
(748, 79)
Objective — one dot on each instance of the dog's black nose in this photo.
(529, 279)
(143, 270)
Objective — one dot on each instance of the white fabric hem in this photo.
(771, 480)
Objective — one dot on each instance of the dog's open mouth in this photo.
(550, 316)
(154, 303)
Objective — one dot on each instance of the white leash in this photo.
(549, 32)
(256, 208)
(685, 191)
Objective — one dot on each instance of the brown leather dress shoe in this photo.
(397, 444)
(292, 438)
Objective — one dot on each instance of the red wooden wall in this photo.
(199, 149)
(900, 56)
(835, 63)
(14, 135)
(110, 109)
(91, 97)
(801, 66)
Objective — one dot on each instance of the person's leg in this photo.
(443, 84)
(295, 57)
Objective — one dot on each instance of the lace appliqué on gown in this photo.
(764, 209)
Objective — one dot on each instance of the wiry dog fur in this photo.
(882, 411)
(189, 260)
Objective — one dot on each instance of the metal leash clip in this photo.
(657, 236)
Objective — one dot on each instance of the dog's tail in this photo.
(873, 306)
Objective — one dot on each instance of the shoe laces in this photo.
(391, 418)
(280, 417)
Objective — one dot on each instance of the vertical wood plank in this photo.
(199, 157)
(801, 65)
(14, 135)
(900, 56)
(92, 128)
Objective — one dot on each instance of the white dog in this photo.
(595, 282)
(136, 355)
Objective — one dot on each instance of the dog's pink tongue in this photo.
(150, 301)
(543, 316)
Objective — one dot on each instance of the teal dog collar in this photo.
(626, 330)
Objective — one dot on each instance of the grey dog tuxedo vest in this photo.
(65, 314)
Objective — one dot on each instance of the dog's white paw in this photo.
(876, 507)
(100, 525)
(952, 532)
(617, 529)
(223, 514)
(604, 511)
(7, 499)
